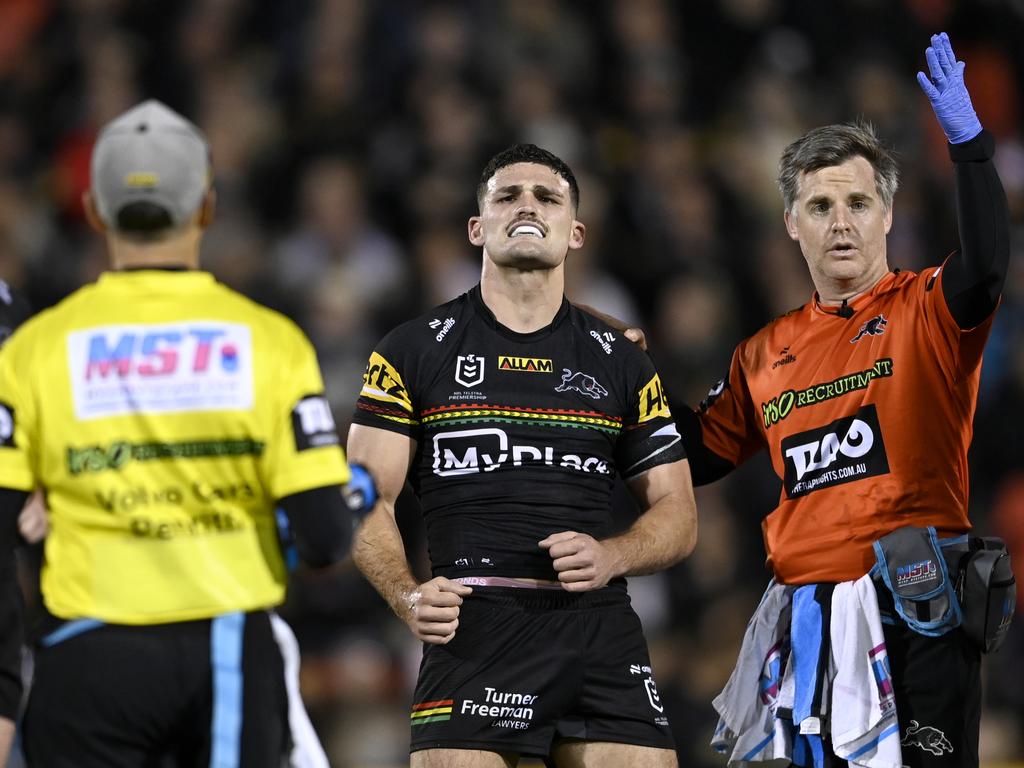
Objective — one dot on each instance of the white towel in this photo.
(306, 749)
(863, 723)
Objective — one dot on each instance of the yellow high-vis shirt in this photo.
(163, 414)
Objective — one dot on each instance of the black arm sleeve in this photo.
(321, 523)
(706, 466)
(973, 277)
(12, 630)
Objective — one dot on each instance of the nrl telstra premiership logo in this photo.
(469, 370)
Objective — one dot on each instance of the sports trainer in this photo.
(864, 398)
(166, 417)
(512, 412)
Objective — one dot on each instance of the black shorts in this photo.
(530, 667)
(195, 693)
(937, 682)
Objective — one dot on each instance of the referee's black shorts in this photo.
(530, 667)
(195, 693)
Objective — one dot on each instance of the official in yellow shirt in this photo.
(167, 417)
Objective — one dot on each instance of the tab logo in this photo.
(527, 364)
(160, 368)
(313, 423)
(469, 370)
(6, 426)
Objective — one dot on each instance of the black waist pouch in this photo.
(911, 564)
(988, 592)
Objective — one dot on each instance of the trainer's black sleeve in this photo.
(706, 466)
(321, 523)
(12, 631)
(973, 277)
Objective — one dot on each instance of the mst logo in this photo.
(470, 451)
(198, 365)
(848, 449)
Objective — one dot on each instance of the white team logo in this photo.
(6, 425)
(927, 738)
(469, 370)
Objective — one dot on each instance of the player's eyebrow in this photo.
(538, 189)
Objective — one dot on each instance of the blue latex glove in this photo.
(948, 94)
(360, 492)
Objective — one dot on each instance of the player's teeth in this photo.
(527, 229)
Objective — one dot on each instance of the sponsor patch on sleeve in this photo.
(6, 426)
(383, 383)
(313, 423)
(653, 403)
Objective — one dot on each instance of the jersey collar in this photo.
(477, 300)
(886, 283)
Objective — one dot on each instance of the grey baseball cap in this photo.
(151, 154)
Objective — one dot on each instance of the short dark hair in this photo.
(143, 221)
(528, 153)
(833, 145)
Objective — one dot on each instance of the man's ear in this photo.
(475, 230)
(887, 220)
(790, 220)
(577, 235)
(207, 208)
(92, 214)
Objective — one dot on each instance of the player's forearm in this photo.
(661, 537)
(379, 554)
(6, 739)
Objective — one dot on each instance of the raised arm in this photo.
(432, 609)
(663, 534)
(974, 275)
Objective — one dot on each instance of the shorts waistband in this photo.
(504, 581)
(552, 599)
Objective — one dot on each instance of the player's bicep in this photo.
(664, 482)
(385, 454)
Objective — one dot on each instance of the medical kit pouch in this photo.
(911, 564)
(987, 591)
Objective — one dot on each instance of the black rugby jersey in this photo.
(518, 435)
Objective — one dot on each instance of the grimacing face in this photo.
(527, 220)
(840, 222)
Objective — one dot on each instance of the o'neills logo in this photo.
(528, 364)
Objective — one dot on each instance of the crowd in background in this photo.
(348, 137)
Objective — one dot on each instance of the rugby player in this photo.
(512, 412)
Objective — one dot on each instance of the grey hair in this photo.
(833, 145)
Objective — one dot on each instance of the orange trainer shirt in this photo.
(867, 420)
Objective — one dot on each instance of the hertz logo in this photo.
(529, 364)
